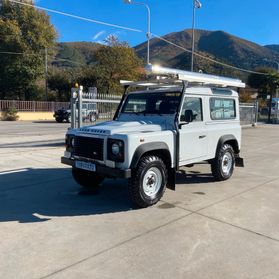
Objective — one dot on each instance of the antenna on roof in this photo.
(195, 77)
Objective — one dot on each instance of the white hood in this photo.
(117, 127)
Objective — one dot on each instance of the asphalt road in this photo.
(50, 228)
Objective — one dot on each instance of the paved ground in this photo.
(49, 228)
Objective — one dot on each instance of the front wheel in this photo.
(222, 166)
(148, 182)
(87, 179)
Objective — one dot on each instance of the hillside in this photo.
(273, 47)
(217, 45)
(214, 44)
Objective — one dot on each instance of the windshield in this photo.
(152, 103)
(89, 106)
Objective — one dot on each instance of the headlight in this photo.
(69, 142)
(72, 142)
(115, 150)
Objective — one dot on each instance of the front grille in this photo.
(92, 148)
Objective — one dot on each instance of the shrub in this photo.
(11, 114)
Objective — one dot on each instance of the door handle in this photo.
(202, 137)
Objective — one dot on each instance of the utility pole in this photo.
(46, 75)
(148, 34)
(196, 5)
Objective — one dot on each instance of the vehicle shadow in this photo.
(37, 195)
(193, 177)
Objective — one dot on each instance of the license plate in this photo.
(85, 166)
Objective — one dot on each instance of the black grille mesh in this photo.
(92, 148)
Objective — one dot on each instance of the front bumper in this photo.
(103, 170)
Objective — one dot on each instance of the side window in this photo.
(195, 105)
(221, 109)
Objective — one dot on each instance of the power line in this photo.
(78, 17)
(207, 58)
(53, 57)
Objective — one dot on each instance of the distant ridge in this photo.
(218, 45)
(273, 47)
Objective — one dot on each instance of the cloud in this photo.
(99, 34)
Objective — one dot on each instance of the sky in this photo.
(254, 20)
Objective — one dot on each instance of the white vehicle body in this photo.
(186, 126)
(198, 140)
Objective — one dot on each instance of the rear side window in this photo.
(221, 108)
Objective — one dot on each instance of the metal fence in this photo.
(107, 105)
(32, 106)
(248, 113)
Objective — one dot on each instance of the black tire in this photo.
(93, 117)
(59, 120)
(146, 166)
(87, 179)
(69, 119)
(222, 166)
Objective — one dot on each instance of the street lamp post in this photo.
(196, 5)
(148, 34)
(46, 74)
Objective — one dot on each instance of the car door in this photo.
(193, 136)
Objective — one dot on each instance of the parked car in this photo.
(89, 112)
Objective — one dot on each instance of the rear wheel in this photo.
(148, 182)
(93, 117)
(222, 166)
(69, 119)
(59, 120)
(87, 179)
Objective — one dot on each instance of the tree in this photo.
(60, 82)
(267, 83)
(26, 32)
(116, 61)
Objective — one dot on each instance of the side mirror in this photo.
(188, 116)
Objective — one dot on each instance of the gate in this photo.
(87, 108)
(248, 113)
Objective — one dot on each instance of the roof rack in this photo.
(193, 77)
(168, 77)
(158, 82)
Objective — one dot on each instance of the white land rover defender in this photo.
(173, 123)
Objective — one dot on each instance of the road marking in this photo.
(13, 171)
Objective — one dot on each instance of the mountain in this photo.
(273, 47)
(217, 45)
